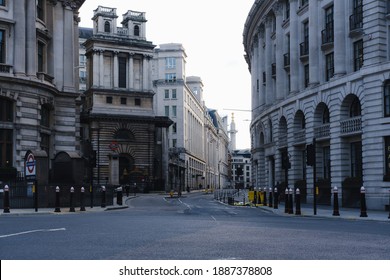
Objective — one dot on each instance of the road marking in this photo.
(188, 206)
(32, 231)
(214, 218)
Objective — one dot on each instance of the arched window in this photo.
(107, 27)
(386, 98)
(325, 116)
(136, 30)
(124, 134)
(355, 109)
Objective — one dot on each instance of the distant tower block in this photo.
(233, 133)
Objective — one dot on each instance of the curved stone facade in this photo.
(320, 73)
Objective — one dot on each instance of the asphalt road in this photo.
(192, 227)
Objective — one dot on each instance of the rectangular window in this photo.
(45, 143)
(170, 77)
(386, 99)
(304, 46)
(170, 62)
(387, 159)
(356, 19)
(123, 100)
(356, 160)
(41, 57)
(358, 55)
(6, 150)
(326, 162)
(329, 66)
(137, 101)
(304, 3)
(109, 99)
(41, 9)
(174, 111)
(166, 96)
(174, 94)
(166, 111)
(45, 116)
(287, 14)
(174, 143)
(122, 64)
(2, 2)
(174, 128)
(6, 110)
(328, 32)
(307, 75)
(2, 46)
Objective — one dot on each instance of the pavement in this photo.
(307, 210)
(63, 210)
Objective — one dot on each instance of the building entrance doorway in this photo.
(126, 164)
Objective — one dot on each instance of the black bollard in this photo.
(265, 196)
(119, 196)
(91, 194)
(298, 202)
(57, 200)
(6, 199)
(276, 196)
(336, 202)
(103, 197)
(363, 207)
(35, 193)
(82, 205)
(290, 203)
(270, 198)
(286, 200)
(71, 209)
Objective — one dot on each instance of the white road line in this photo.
(32, 231)
(214, 218)
(188, 206)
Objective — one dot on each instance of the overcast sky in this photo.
(211, 33)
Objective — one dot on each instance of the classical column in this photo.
(145, 70)
(131, 71)
(20, 38)
(95, 65)
(294, 46)
(116, 70)
(255, 75)
(261, 92)
(280, 73)
(268, 61)
(339, 38)
(101, 68)
(31, 36)
(314, 44)
(68, 71)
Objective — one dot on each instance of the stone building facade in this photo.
(320, 73)
(39, 97)
(198, 139)
(122, 138)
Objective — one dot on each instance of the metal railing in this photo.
(351, 126)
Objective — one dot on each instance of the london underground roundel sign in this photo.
(30, 165)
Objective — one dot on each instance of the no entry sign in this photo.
(30, 166)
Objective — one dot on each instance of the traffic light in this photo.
(310, 155)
